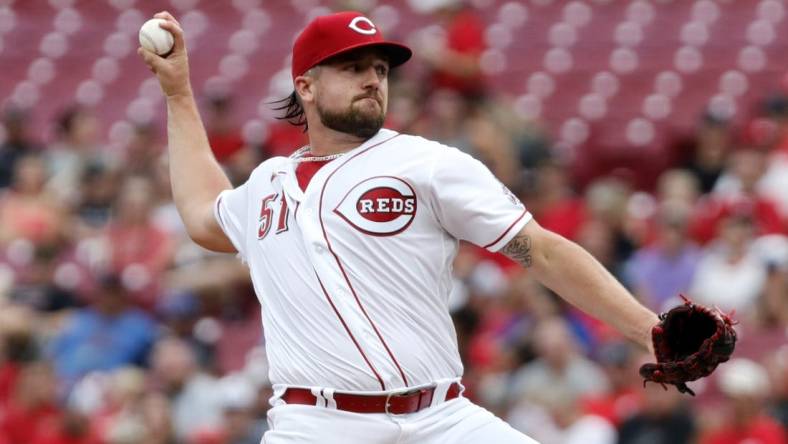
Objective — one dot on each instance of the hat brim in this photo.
(397, 53)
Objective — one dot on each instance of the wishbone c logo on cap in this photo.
(354, 25)
(330, 35)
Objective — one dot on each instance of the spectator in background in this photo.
(37, 283)
(178, 312)
(563, 421)
(599, 239)
(444, 119)
(770, 132)
(139, 250)
(454, 60)
(157, 416)
(98, 191)
(533, 142)
(746, 386)
(575, 426)
(710, 151)
(620, 362)
(405, 106)
(195, 397)
(738, 186)
(18, 348)
(558, 364)
(223, 134)
(730, 275)
(17, 143)
(604, 233)
(77, 147)
(493, 146)
(744, 168)
(774, 182)
(33, 406)
(773, 304)
(107, 335)
(119, 417)
(142, 151)
(554, 202)
(282, 139)
(499, 341)
(27, 210)
(660, 271)
(226, 139)
(679, 186)
(664, 419)
(240, 425)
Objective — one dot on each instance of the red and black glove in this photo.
(689, 342)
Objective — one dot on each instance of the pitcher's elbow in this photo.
(212, 241)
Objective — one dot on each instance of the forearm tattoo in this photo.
(519, 249)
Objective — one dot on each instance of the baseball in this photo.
(155, 39)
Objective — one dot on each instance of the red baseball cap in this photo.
(330, 35)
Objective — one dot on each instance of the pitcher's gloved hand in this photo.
(689, 342)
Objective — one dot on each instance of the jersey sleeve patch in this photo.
(472, 204)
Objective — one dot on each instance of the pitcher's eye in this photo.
(352, 67)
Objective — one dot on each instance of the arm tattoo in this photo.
(519, 249)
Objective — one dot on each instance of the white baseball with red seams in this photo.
(155, 38)
(354, 273)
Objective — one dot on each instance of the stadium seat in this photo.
(663, 62)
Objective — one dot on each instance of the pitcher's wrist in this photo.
(181, 95)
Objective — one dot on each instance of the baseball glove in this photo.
(689, 342)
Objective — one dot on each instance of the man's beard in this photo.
(352, 121)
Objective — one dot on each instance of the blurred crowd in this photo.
(115, 328)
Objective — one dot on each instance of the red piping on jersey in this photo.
(342, 269)
(219, 211)
(363, 355)
(223, 225)
(507, 230)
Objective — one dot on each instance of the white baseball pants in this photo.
(458, 421)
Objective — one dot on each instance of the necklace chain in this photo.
(298, 156)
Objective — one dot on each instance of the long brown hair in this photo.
(293, 111)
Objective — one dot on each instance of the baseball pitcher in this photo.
(350, 242)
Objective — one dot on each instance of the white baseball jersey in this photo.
(354, 273)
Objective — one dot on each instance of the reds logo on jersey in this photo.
(380, 206)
